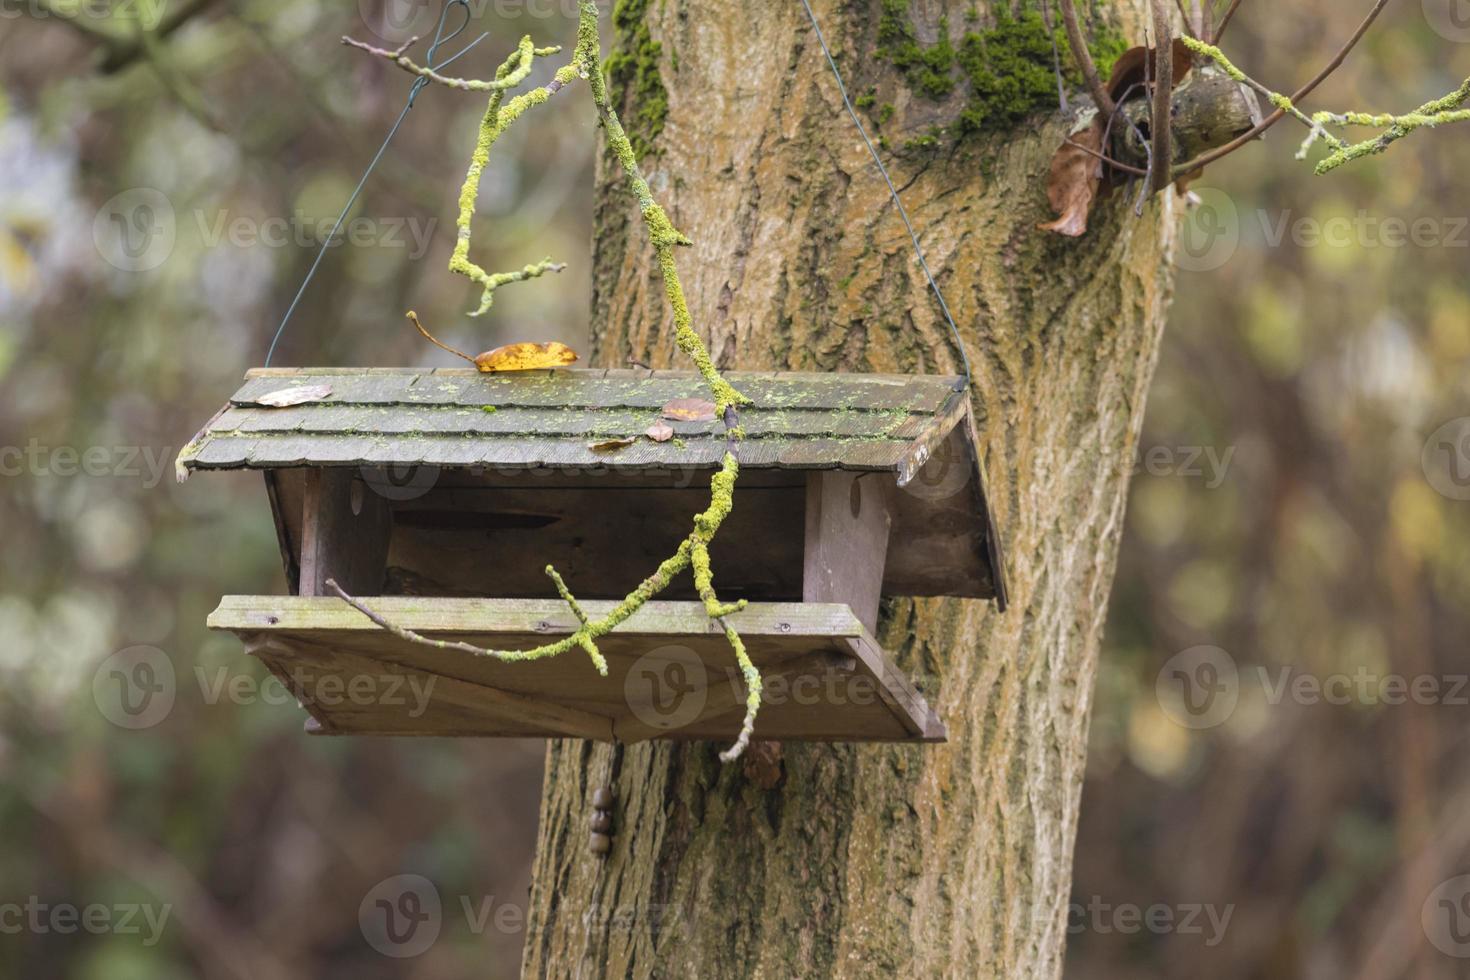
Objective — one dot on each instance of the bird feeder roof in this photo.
(461, 418)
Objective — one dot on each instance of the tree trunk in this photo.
(873, 860)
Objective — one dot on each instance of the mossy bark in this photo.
(871, 861)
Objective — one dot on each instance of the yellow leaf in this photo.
(526, 357)
(609, 445)
(689, 410)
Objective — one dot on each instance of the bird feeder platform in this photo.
(437, 498)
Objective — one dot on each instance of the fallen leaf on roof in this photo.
(609, 445)
(526, 357)
(660, 432)
(689, 410)
(300, 395)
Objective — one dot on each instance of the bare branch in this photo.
(1189, 27)
(1083, 57)
(522, 60)
(1127, 168)
(1306, 90)
(1161, 129)
(1219, 32)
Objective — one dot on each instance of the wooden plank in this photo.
(345, 534)
(848, 518)
(820, 683)
(557, 422)
(534, 618)
(600, 389)
(308, 665)
(262, 451)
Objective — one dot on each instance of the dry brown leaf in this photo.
(511, 357)
(689, 410)
(1072, 183)
(609, 445)
(525, 357)
(1132, 67)
(1071, 186)
(660, 432)
(299, 395)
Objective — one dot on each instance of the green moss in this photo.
(929, 69)
(633, 68)
(1010, 67)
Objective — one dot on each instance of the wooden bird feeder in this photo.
(437, 497)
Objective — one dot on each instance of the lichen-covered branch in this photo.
(1443, 110)
(1219, 152)
(693, 551)
(516, 70)
(1434, 113)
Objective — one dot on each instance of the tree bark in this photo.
(944, 860)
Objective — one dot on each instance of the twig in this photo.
(1433, 113)
(1083, 57)
(523, 58)
(1056, 56)
(1219, 31)
(1127, 168)
(414, 318)
(1189, 25)
(1205, 159)
(1161, 131)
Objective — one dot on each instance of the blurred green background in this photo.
(1297, 521)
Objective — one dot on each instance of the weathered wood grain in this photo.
(670, 671)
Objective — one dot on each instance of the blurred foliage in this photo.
(1280, 510)
(1318, 358)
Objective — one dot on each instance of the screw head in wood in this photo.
(601, 843)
